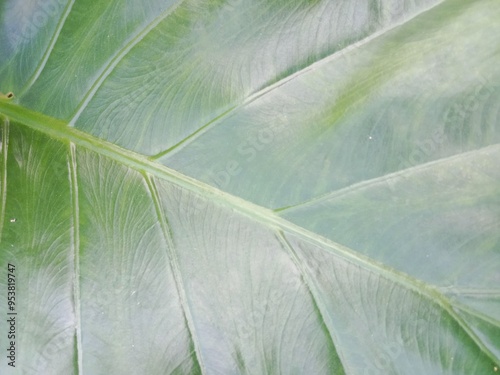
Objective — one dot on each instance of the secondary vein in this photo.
(174, 266)
(72, 166)
(50, 48)
(267, 89)
(118, 57)
(314, 295)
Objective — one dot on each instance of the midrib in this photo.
(58, 129)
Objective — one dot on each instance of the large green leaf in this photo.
(250, 186)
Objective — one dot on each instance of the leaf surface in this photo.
(221, 187)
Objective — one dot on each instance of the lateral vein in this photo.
(174, 266)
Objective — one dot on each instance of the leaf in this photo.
(222, 187)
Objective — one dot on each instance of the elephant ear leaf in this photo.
(250, 187)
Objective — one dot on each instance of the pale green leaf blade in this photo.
(359, 141)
